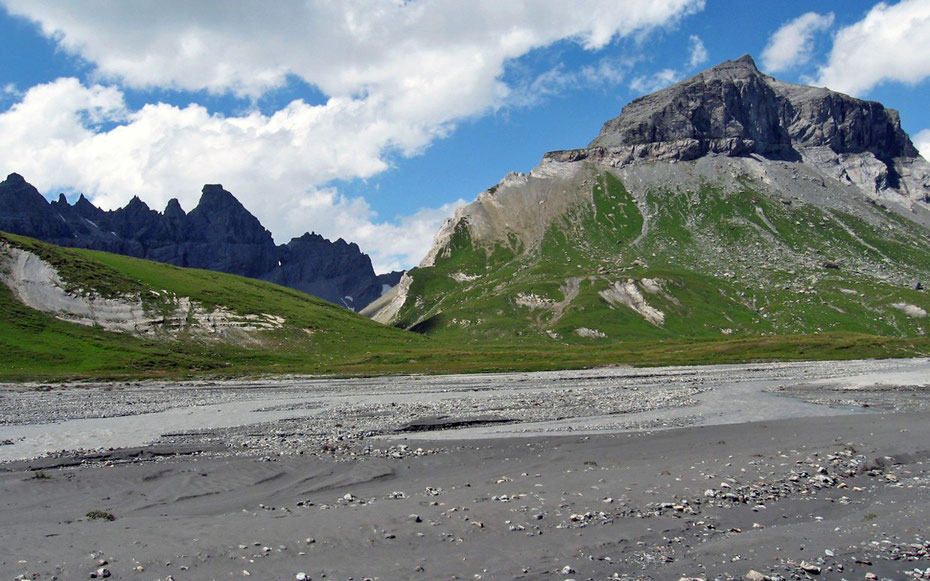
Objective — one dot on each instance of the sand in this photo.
(683, 490)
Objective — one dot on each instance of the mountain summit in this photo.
(728, 203)
(733, 109)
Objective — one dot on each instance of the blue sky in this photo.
(371, 120)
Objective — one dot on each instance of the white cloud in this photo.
(650, 83)
(395, 77)
(793, 43)
(645, 84)
(698, 52)
(162, 151)
(606, 72)
(922, 143)
(344, 48)
(889, 44)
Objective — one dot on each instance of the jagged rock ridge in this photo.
(219, 234)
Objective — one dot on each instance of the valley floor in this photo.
(791, 470)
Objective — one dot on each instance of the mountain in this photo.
(730, 204)
(219, 234)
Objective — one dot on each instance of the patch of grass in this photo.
(40, 475)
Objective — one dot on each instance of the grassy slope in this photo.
(318, 336)
(742, 264)
(35, 345)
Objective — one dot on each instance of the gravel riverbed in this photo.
(764, 471)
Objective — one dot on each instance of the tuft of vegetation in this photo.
(100, 515)
(40, 475)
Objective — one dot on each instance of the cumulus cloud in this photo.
(888, 44)
(395, 76)
(162, 151)
(793, 44)
(344, 47)
(698, 52)
(922, 143)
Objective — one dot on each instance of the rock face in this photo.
(733, 109)
(729, 203)
(219, 234)
(37, 284)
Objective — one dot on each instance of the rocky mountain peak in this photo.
(84, 208)
(729, 108)
(17, 196)
(214, 198)
(734, 109)
(14, 178)
(173, 210)
(136, 204)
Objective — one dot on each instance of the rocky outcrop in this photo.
(735, 110)
(729, 109)
(319, 267)
(37, 284)
(219, 234)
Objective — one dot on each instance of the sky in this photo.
(371, 120)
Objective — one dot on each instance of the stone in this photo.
(810, 568)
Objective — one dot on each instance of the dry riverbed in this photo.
(778, 471)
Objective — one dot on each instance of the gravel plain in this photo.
(762, 471)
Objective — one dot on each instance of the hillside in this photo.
(728, 205)
(74, 312)
(104, 316)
